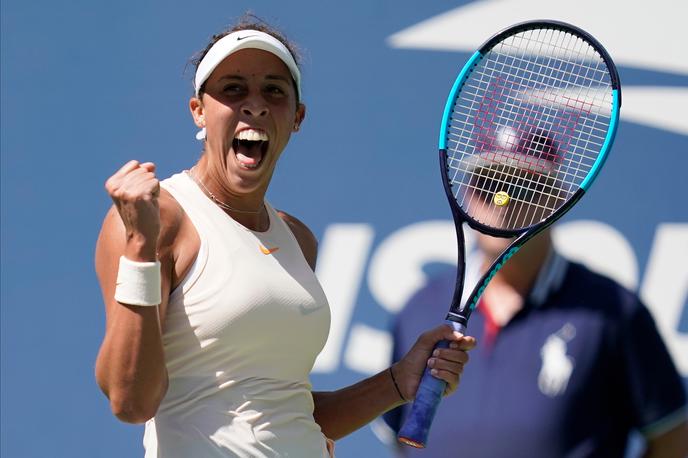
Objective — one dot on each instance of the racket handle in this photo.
(416, 427)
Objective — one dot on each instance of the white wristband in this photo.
(138, 283)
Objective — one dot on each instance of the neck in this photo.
(250, 212)
(509, 288)
(521, 271)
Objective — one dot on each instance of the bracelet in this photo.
(138, 283)
(391, 374)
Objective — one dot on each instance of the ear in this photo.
(300, 115)
(197, 111)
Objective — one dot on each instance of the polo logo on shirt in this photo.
(557, 366)
(267, 251)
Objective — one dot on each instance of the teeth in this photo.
(253, 135)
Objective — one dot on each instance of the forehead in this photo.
(249, 62)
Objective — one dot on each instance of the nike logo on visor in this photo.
(245, 36)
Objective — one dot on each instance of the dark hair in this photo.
(248, 22)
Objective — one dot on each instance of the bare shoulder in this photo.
(305, 237)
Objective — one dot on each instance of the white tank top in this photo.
(241, 335)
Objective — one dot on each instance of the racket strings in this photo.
(520, 196)
(570, 173)
(545, 76)
(569, 53)
(519, 182)
(534, 111)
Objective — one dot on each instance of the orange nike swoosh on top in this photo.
(268, 250)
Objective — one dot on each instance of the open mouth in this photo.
(250, 147)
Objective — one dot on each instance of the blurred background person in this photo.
(568, 362)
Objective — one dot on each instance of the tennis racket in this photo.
(527, 126)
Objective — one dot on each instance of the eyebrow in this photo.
(286, 79)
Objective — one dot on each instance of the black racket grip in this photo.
(416, 427)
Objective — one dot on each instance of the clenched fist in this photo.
(134, 189)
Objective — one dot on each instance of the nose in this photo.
(255, 107)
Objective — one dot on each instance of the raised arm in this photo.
(130, 367)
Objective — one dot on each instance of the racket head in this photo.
(527, 126)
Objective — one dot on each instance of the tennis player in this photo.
(214, 314)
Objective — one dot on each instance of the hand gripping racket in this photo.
(527, 126)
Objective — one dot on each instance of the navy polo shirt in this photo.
(571, 374)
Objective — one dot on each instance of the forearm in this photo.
(341, 412)
(130, 368)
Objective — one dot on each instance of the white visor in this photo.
(243, 39)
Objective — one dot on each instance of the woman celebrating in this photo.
(214, 314)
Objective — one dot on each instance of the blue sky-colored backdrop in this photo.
(88, 85)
